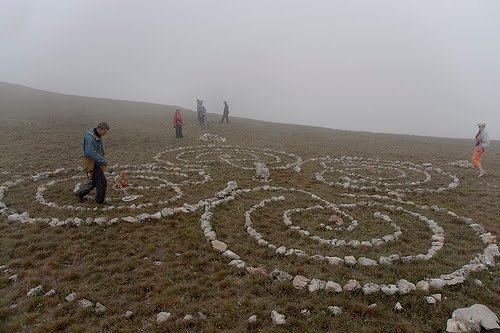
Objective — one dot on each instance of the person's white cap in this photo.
(481, 124)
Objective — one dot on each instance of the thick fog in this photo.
(412, 67)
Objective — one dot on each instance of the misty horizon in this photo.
(428, 68)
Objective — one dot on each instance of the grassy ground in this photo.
(114, 264)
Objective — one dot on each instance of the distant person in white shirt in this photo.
(482, 142)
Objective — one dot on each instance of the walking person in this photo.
(482, 142)
(225, 113)
(178, 124)
(94, 163)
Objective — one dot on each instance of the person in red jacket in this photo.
(178, 123)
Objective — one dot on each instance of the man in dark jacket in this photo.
(225, 113)
(93, 155)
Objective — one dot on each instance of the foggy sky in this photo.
(411, 67)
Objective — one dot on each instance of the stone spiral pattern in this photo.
(360, 173)
(189, 164)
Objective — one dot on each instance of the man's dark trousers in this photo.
(98, 182)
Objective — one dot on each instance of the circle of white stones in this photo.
(139, 171)
(200, 156)
(479, 262)
(349, 167)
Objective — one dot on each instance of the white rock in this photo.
(35, 291)
(162, 317)
(71, 297)
(187, 317)
(422, 285)
(305, 312)
(335, 310)
(367, 262)
(130, 219)
(280, 276)
(437, 283)
(405, 287)
(219, 246)
(99, 308)
(351, 285)
(316, 284)
(430, 299)
(128, 314)
(278, 319)
(333, 286)
(237, 263)
(85, 303)
(350, 260)
(477, 314)
(398, 307)
(300, 282)
(335, 260)
(100, 220)
(369, 288)
(231, 255)
(50, 293)
(252, 319)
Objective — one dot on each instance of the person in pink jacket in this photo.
(178, 123)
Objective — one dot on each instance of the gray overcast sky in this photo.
(412, 67)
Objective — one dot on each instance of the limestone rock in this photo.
(316, 284)
(35, 291)
(350, 260)
(50, 293)
(430, 299)
(278, 319)
(405, 287)
(85, 303)
(300, 282)
(231, 255)
(219, 246)
(71, 297)
(471, 319)
(335, 310)
(100, 309)
(333, 286)
(351, 285)
(305, 313)
(280, 276)
(422, 285)
(369, 288)
(162, 317)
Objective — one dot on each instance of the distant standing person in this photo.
(482, 142)
(203, 114)
(178, 124)
(94, 163)
(198, 110)
(225, 113)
